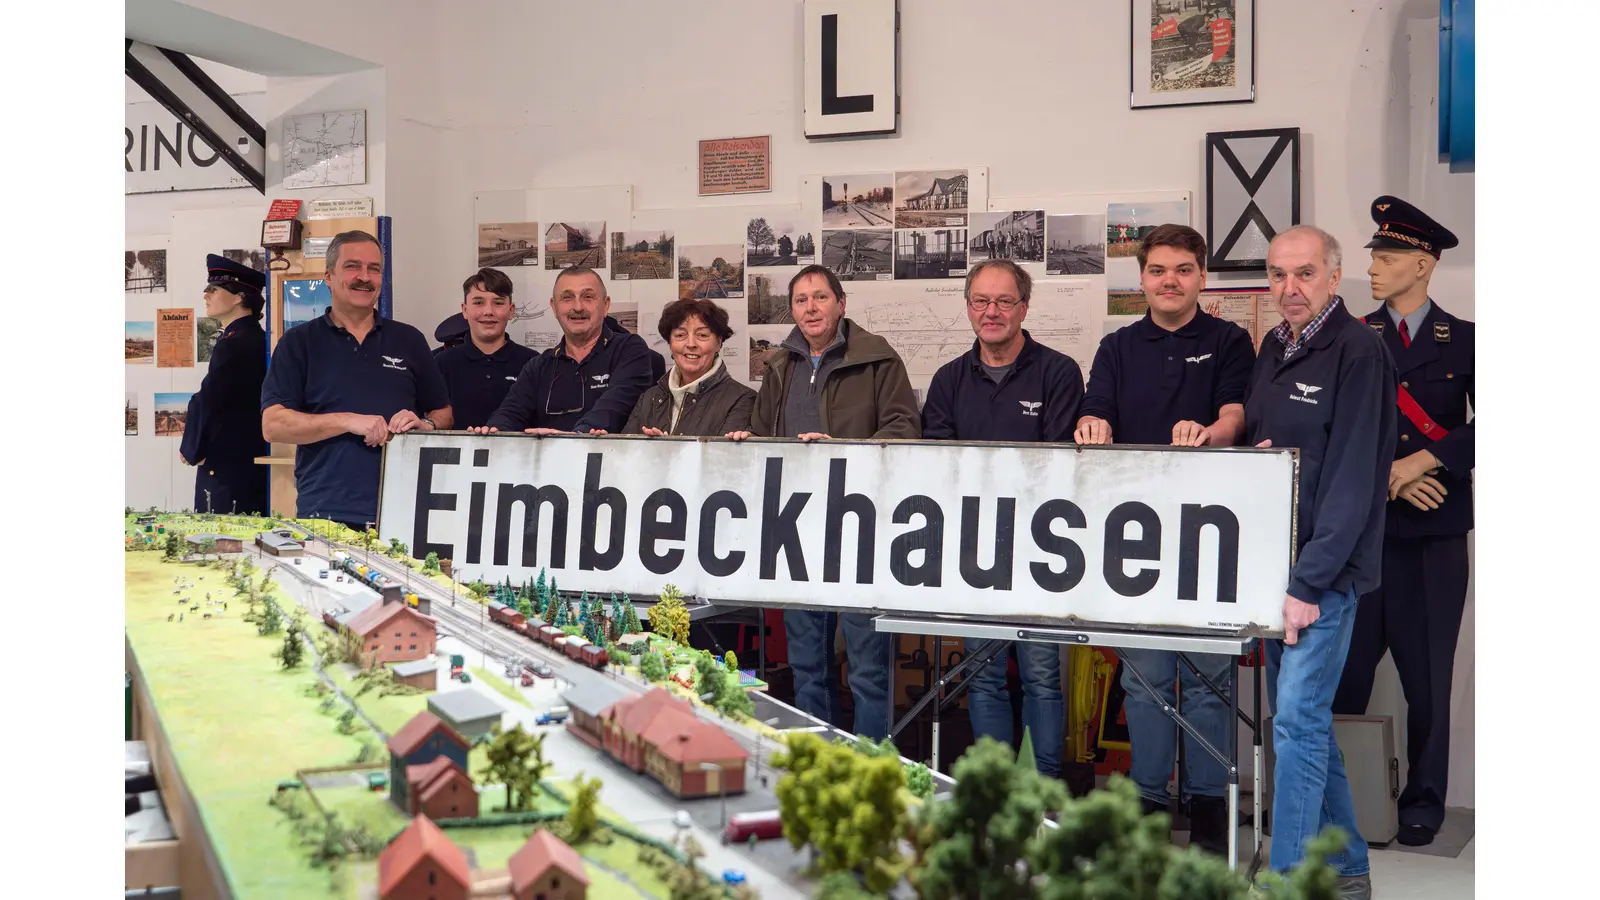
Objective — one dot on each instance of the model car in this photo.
(681, 819)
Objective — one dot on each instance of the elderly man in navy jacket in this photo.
(1324, 383)
(1009, 387)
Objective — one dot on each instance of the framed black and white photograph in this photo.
(1252, 193)
(1190, 52)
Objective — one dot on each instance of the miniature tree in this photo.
(670, 618)
(290, 654)
(919, 781)
(842, 886)
(208, 547)
(708, 675)
(731, 662)
(271, 620)
(516, 760)
(630, 618)
(582, 816)
(614, 620)
(174, 548)
(394, 548)
(559, 619)
(431, 562)
(652, 668)
(734, 701)
(1025, 757)
(525, 607)
(847, 807)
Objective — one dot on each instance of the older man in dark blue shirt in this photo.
(1323, 383)
(341, 384)
(590, 381)
(1009, 387)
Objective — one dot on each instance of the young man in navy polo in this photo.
(590, 381)
(1178, 376)
(339, 385)
(1323, 383)
(479, 372)
(1009, 387)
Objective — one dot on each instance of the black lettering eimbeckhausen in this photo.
(1050, 542)
(428, 501)
(714, 565)
(531, 499)
(652, 529)
(1196, 517)
(929, 539)
(594, 497)
(998, 575)
(779, 529)
(1120, 548)
(839, 505)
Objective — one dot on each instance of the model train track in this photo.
(509, 646)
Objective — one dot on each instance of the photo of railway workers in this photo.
(1017, 236)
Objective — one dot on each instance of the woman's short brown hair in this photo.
(679, 311)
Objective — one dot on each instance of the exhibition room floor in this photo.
(1416, 874)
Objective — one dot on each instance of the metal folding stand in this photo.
(996, 637)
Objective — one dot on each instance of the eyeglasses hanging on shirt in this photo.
(569, 388)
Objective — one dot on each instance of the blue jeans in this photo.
(810, 637)
(1310, 789)
(1153, 736)
(1044, 707)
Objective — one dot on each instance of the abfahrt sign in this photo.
(1190, 539)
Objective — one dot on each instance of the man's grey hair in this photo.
(577, 270)
(1332, 253)
(347, 237)
(1023, 279)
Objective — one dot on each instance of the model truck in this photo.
(457, 665)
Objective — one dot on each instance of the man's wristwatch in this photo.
(431, 425)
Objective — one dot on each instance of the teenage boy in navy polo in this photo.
(1323, 383)
(590, 381)
(339, 385)
(479, 372)
(1009, 387)
(223, 433)
(1178, 376)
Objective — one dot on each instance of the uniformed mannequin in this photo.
(1416, 613)
(222, 434)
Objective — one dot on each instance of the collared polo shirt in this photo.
(478, 382)
(553, 390)
(319, 368)
(1035, 400)
(1146, 379)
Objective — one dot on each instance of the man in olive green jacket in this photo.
(831, 378)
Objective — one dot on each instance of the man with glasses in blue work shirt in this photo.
(341, 384)
(1176, 377)
(588, 383)
(1009, 387)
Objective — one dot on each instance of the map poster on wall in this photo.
(736, 165)
(174, 338)
(325, 149)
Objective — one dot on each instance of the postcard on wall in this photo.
(575, 244)
(859, 254)
(171, 412)
(1193, 51)
(736, 165)
(1017, 236)
(1126, 226)
(508, 244)
(139, 343)
(763, 339)
(644, 254)
(1126, 303)
(130, 413)
(776, 239)
(206, 332)
(710, 271)
(1237, 306)
(932, 198)
(858, 201)
(930, 253)
(1077, 245)
(767, 293)
(144, 271)
(174, 338)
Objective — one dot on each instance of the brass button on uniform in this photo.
(1406, 385)
(1405, 437)
(1449, 374)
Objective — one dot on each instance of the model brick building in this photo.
(421, 741)
(421, 863)
(393, 632)
(547, 869)
(224, 543)
(441, 790)
(659, 733)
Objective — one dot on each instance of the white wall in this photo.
(496, 94)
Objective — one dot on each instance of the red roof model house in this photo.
(421, 741)
(659, 733)
(547, 869)
(422, 864)
(441, 790)
(393, 632)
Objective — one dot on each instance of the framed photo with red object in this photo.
(1191, 52)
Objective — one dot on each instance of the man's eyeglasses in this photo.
(1006, 304)
(552, 392)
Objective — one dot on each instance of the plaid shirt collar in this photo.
(1285, 335)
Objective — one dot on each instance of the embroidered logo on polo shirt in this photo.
(394, 362)
(1306, 390)
(1031, 407)
(511, 378)
(1197, 359)
(600, 380)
